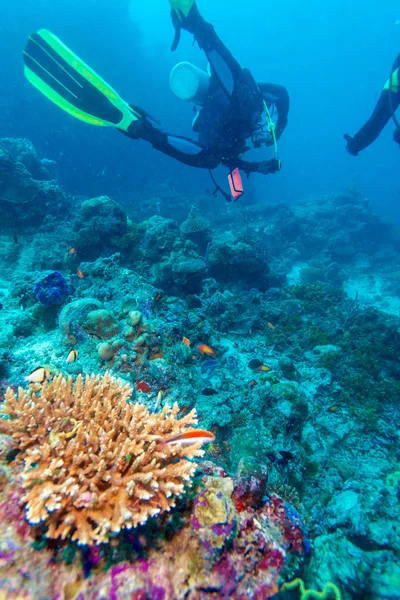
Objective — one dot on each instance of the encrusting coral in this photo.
(92, 463)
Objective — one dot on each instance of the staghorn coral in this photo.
(91, 462)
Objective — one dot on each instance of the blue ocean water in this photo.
(334, 58)
(275, 318)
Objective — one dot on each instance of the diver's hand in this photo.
(269, 166)
(350, 145)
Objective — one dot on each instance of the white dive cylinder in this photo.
(190, 83)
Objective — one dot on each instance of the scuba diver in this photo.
(232, 107)
(385, 109)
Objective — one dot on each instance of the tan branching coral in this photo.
(92, 463)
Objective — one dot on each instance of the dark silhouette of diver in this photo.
(234, 111)
(385, 109)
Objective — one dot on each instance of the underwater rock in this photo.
(22, 151)
(345, 507)
(334, 558)
(160, 238)
(134, 318)
(188, 274)
(180, 274)
(73, 316)
(255, 363)
(231, 260)
(288, 368)
(98, 222)
(327, 349)
(196, 228)
(105, 351)
(26, 202)
(101, 324)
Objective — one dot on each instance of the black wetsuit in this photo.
(231, 113)
(388, 102)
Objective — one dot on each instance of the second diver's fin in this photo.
(181, 8)
(65, 79)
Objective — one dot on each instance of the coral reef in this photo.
(300, 306)
(92, 464)
(207, 546)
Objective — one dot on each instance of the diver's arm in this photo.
(278, 95)
(388, 102)
(266, 167)
(373, 127)
(181, 148)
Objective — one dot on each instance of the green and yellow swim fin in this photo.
(66, 80)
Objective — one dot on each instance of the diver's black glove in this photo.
(142, 129)
(351, 149)
(269, 166)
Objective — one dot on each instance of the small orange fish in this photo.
(158, 297)
(204, 349)
(71, 251)
(252, 383)
(190, 437)
(80, 274)
(263, 368)
(72, 356)
(156, 355)
(271, 326)
(186, 341)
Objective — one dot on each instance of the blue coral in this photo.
(52, 289)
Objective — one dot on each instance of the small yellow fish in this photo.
(71, 251)
(39, 375)
(263, 368)
(272, 327)
(186, 341)
(72, 356)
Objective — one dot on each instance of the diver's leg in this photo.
(222, 62)
(182, 149)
